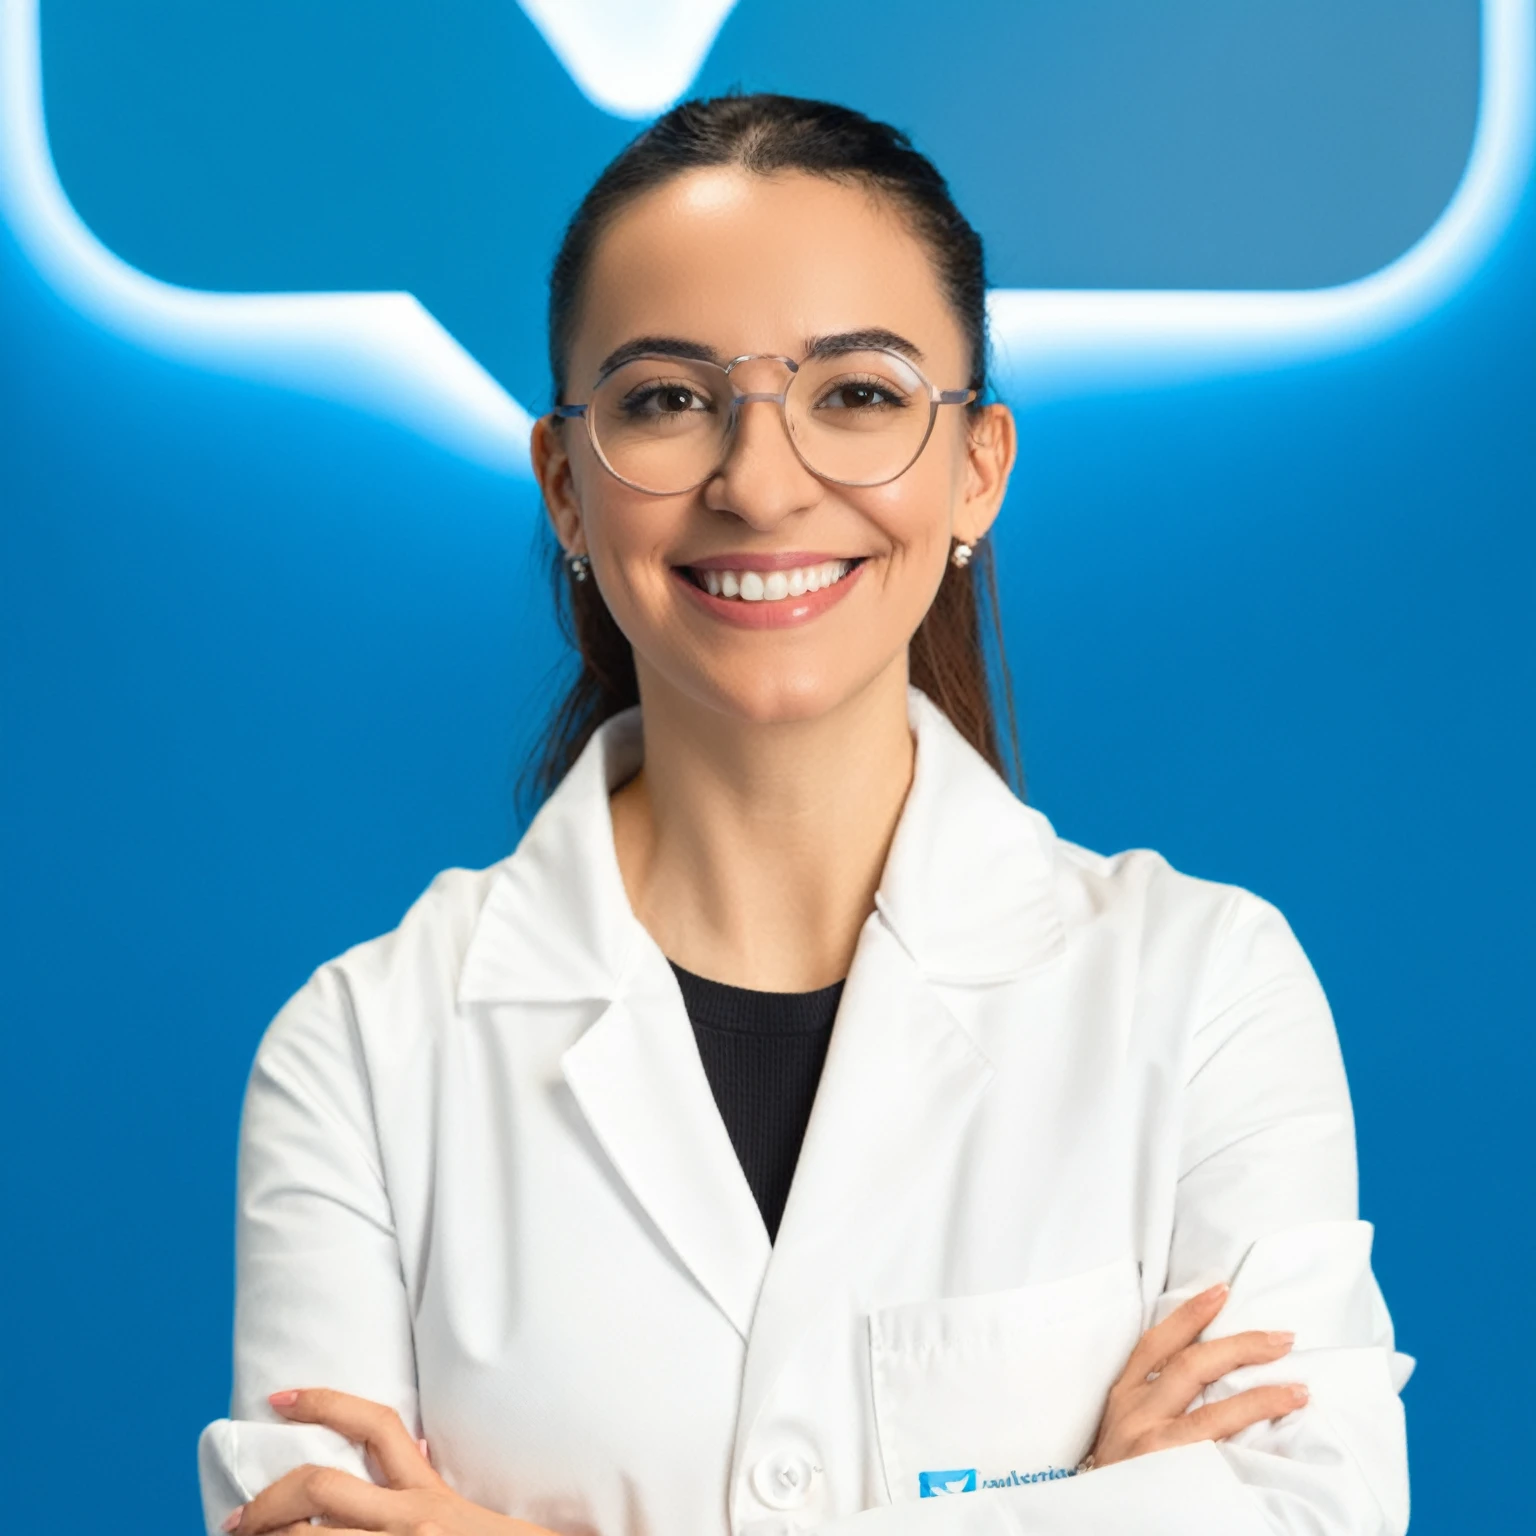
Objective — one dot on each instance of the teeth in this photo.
(774, 586)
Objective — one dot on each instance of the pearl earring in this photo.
(580, 566)
(960, 556)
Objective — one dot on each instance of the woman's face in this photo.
(736, 263)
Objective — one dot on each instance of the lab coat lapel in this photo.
(967, 898)
(557, 928)
(640, 1083)
(901, 1083)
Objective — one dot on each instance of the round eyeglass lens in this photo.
(661, 422)
(859, 418)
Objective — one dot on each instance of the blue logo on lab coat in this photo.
(933, 1485)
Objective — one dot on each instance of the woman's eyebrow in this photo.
(672, 346)
(874, 339)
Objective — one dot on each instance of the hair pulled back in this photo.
(765, 134)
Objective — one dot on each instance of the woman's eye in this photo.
(665, 400)
(859, 397)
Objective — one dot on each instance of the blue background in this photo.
(268, 664)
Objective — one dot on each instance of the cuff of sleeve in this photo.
(237, 1458)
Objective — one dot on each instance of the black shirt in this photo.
(763, 1053)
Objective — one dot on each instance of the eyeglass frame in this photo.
(740, 397)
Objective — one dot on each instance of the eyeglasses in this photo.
(664, 424)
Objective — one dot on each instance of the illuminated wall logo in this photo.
(589, 70)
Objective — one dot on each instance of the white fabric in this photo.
(483, 1179)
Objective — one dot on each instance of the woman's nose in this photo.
(762, 480)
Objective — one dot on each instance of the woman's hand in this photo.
(1168, 1370)
(416, 1503)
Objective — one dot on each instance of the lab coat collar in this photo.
(969, 886)
(967, 896)
(968, 889)
(557, 924)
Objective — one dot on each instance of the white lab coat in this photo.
(483, 1179)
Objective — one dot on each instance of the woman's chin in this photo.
(793, 696)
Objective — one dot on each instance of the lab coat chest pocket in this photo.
(991, 1390)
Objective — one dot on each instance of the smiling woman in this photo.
(761, 210)
(793, 1127)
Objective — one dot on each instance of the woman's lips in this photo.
(766, 591)
(782, 560)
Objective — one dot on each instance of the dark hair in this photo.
(766, 134)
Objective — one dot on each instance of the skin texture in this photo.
(776, 760)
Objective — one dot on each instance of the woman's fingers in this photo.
(1170, 1367)
(1217, 1421)
(336, 1496)
(1195, 1367)
(396, 1452)
(1180, 1329)
(304, 1528)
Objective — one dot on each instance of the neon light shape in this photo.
(384, 353)
(1053, 342)
(631, 60)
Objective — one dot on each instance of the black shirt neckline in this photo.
(763, 1053)
(719, 1005)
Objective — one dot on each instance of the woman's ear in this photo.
(552, 469)
(992, 445)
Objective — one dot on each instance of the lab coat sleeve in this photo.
(1266, 1199)
(320, 1299)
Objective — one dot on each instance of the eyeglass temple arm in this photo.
(955, 396)
(568, 411)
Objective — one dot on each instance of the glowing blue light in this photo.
(630, 60)
(1055, 342)
(384, 353)
(378, 352)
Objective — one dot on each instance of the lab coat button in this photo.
(783, 1480)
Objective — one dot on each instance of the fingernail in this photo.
(283, 1399)
(231, 1521)
(1300, 1395)
(1219, 1289)
(426, 1455)
(1280, 1339)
